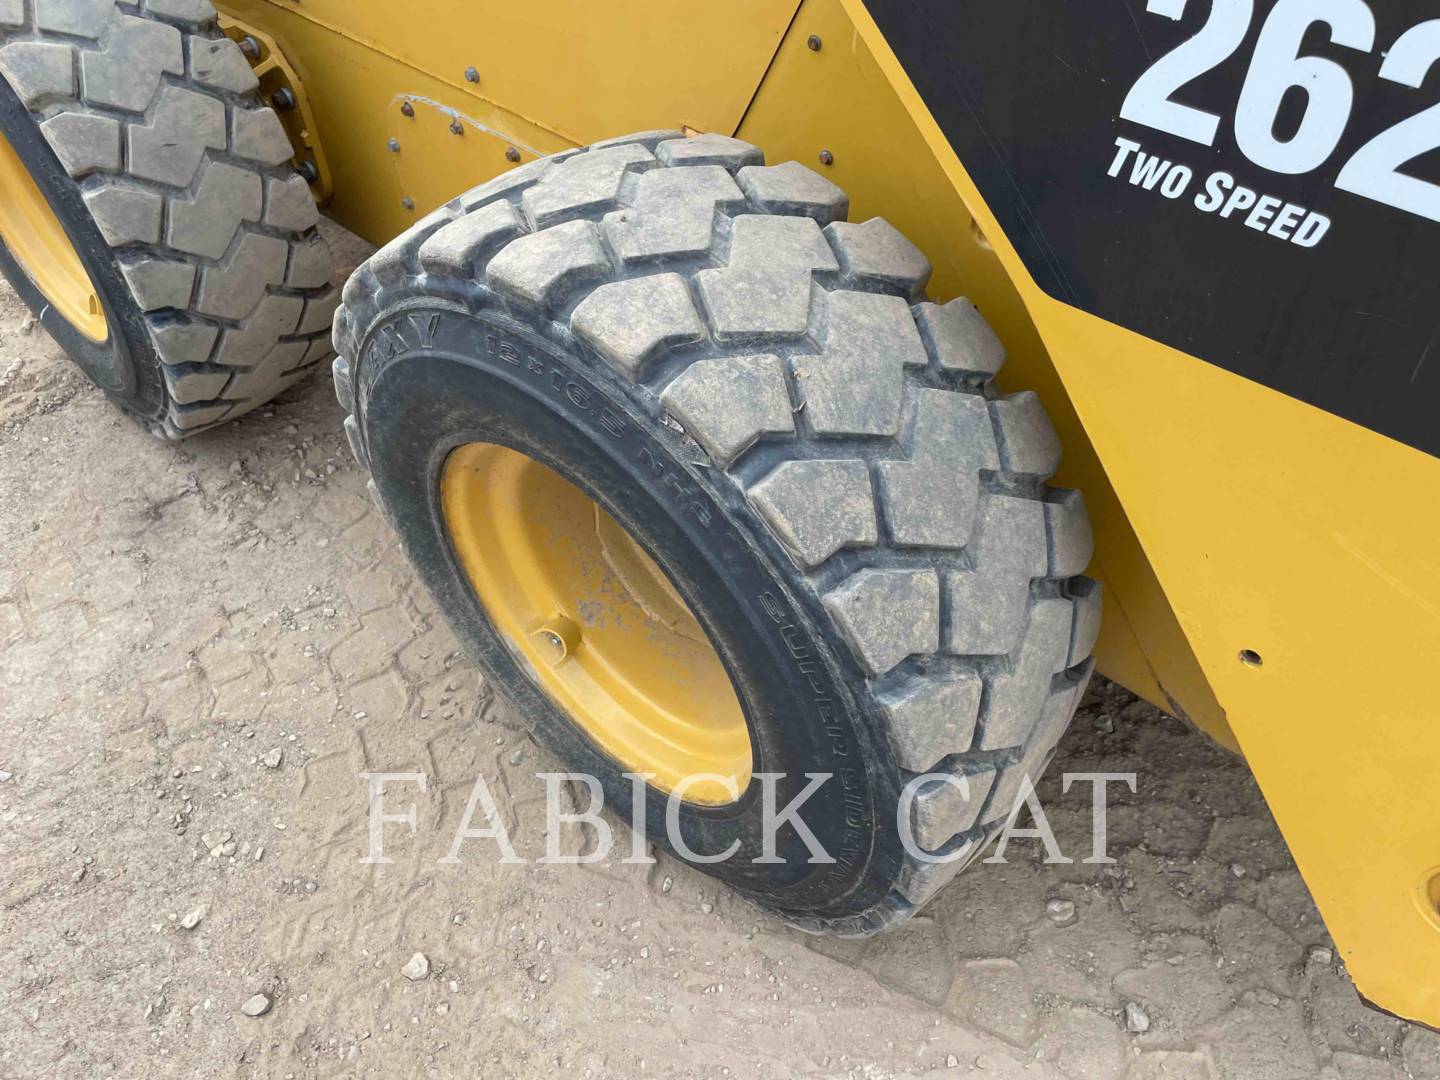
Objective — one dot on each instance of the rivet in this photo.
(457, 128)
(512, 154)
(250, 47)
(408, 203)
(827, 158)
(813, 42)
(406, 109)
(471, 75)
(283, 99)
(309, 171)
(394, 145)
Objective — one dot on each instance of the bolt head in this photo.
(457, 128)
(827, 158)
(250, 47)
(813, 43)
(408, 203)
(512, 154)
(309, 171)
(282, 100)
(471, 75)
(406, 109)
(394, 145)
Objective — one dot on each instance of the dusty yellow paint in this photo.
(1277, 528)
(596, 621)
(39, 243)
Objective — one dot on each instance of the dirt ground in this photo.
(203, 645)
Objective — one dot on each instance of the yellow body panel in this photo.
(1228, 517)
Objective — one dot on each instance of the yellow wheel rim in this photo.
(37, 240)
(596, 621)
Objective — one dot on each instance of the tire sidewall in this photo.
(124, 366)
(432, 377)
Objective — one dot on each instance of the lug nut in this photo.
(406, 109)
(512, 154)
(250, 47)
(283, 100)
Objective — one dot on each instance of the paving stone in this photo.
(996, 996)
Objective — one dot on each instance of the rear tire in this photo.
(816, 456)
(143, 129)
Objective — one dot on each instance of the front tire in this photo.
(758, 394)
(142, 129)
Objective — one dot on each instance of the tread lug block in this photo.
(506, 184)
(727, 403)
(456, 248)
(189, 383)
(12, 13)
(582, 184)
(943, 809)
(182, 342)
(959, 338)
(540, 268)
(257, 135)
(219, 63)
(76, 18)
(887, 615)
(928, 501)
(630, 322)
(319, 313)
(932, 717)
(730, 154)
(1072, 542)
(248, 345)
(818, 507)
(184, 125)
(125, 215)
(160, 283)
(854, 387)
(357, 445)
(752, 304)
(648, 139)
(878, 255)
(309, 264)
(920, 881)
(233, 289)
(39, 72)
(1028, 443)
(289, 204)
(773, 242)
(84, 144)
(1086, 594)
(988, 603)
(344, 386)
(128, 71)
(1053, 718)
(791, 188)
(391, 265)
(199, 12)
(206, 224)
(1013, 707)
(191, 418)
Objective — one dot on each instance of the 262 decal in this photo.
(1278, 69)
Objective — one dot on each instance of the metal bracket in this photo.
(282, 90)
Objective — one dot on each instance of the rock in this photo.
(273, 758)
(192, 918)
(417, 967)
(1267, 997)
(1137, 1020)
(1104, 724)
(1321, 956)
(258, 1005)
(4, 776)
(1060, 912)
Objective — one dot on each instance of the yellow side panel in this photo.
(583, 69)
(838, 99)
(1277, 528)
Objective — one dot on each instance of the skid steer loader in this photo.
(697, 435)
